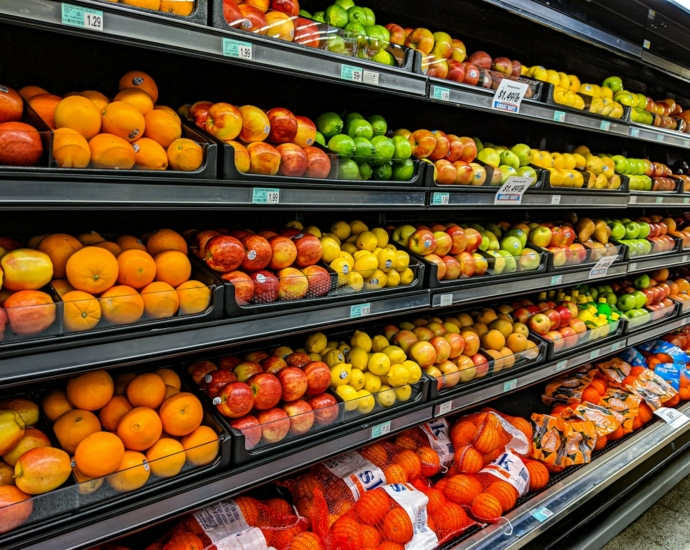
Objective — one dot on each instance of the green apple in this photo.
(519, 233)
(617, 231)
(632, 230)
(403, 149)
(645, 246)
(507, 172)
(512, 245)
(528, 172)
(529, 260)
(478, 144)
(522, 151)
(641, 282)
(641, 101)
(493, 240)
(625, 98)
(511, 264)
(489, 156)
(495, 230)
(620, 164)
(626, 302)
(508, 158)
(644, 230)
(614, 83)
(640, 298)
(499, 263)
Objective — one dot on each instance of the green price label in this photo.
(237, 49)
(350, 73)
(265, 195)
(86, 18)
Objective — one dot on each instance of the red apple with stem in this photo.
(235, 400)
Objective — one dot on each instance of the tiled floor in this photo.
(665, 526)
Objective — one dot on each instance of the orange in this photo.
(110, 246)
(345, 533)
(185, 155)
(27, 92)
(92, 269)
(436, 499)
(450, 519)
(602, 440)
(90, 391)
(505, 493)
(89, 238)
(168, 110)
(55, 404)
(73, 427)
(183, 540)
(178, 7)
(599, 386)
(306, 484)
(373, 506)
(146, 390)
(406, 441)
(170, 377)
(431, 462)
(44, 105)
(170, 391)
(137, 98)
(172, 267)
(113, 412)
(517, 343)
(394, 474)
(162, 127)
(672, 402)
(166, 239)
(486, 507)
(410, 462)
(592, 396)
(149, 155)
(99, 454)
(86, 484)
(141, 81)
(488, 439)
(493, 340)
(166, 457)
(81, 311)
(122, 381)
(61, 286)
(132, 473)
(110, 151)
(194, 297)
(122, 305)
(160, 300)
(128, 241)
(59, 247)
(463, 433)
(181, 414)
(79, 114)
(136, 268)
(376, 454)
(201, 446)
(139, 428)
(462, 489)
(280, 506)
(123, 120)
(306, 540)
(538, 475)
(97, 98)
(397, 526)
(523, 425)
(468, 460)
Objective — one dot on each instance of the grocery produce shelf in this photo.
(652, 199)
(545, 509)
(455, 197)
(175, 503)
(657, 331)
(655, 263)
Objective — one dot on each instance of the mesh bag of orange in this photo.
(560, 442)
(652, 388)
(569, 388)
(434, 435)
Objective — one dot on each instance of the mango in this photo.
(41, 470)
(12, 429)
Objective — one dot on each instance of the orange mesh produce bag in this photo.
(430, 435)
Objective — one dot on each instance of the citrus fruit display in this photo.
(182, 8)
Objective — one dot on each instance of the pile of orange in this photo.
(131, 131)
(129, 428)
(178, 7)
(119, 282)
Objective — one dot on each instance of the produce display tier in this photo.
(459, 199)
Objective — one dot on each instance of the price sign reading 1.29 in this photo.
(509, 95)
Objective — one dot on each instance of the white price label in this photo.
(237, 49)
(510, 385)
(542, 514)
(659, 200)
(646, 44)
(555, 199)
(437, 92)
(686, 143)
(556, 280)
(509, 95)
(559, 116)
(360, 310)
(353, 74)
(561, 365)
(370, 77)
(594, 353)
(445, 408)
(617, 346)
(76, 16)
(632, 199)
(265, 195)
(685, 258)
(671, 416)
(381, 429)
(632, 266)
(634, 132)
(512, 190)
(605, 125)
(440, 198)
(601, 268)
(659, 137)
(446, 300)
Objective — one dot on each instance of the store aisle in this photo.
(665, 526)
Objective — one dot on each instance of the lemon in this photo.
(344, 347)
(356, 282)
(376, 251)
(313, 230)
(378, 343)
(397, 376)
(340, 374)
(295, 224)
(356, 379)
(376, 281)
(358, 358)
(381, 236)
(406, 277)
(372, 383)
(340, 266)
(357, 227)
(349, 248)
(402, 260)
(361, 340)
(300, 350)
(366, 265)
(360, 254)
(403, 393)
(387, 259)
(348, 257)
(414, 371)
(332, 236)
(333, 357)
(316, 342)
(349, 395)
(386, 396)
(392, 279)
(333, 345)
(379, 363)
(351, 239)
(366, 402)
(341, 229)
(395, 354)
(314, 356)
(367, 241)
(390, 246)
(330, 249)
(453, 327)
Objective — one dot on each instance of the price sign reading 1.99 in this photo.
(509, 95)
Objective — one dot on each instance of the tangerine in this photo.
(139, 428)
(162, 127)
(111, 151)
(602, 440)
(346, 533)
(137, 98)
(370, 536)
(110, 246)
(81, 311)
(591, 395)
(436, 499)
(487, 440)
(166, 457)
(431, 462)
(410, 462)
(90, 391)
(122, 120)
(449, 519)
(149, 155)
(506, 494)
(599, 385)
(141, 81)
(195, 297)
(645, 412)
(146, 390)
(166, 239)
(160, 300)
(538, 475)
(91, 269)
(128, 241)
(307, 541)
(486, 507)
(280, 506)
(55, 404)
(463, 433)
(183, 540)
(73, 427)
(376, 454)
(122, 305)
(78, 113)
(397, 526)
(178, 7)
(172, 267)
(523, 425)
(99, 454)
(394, 473)
(181, 414)
(468, 460)
(27, 92)
(249, 508)
(170, 377)
(462, 489)
(373, 506)
(113, 412)
(136, 268)
(185, 155)
(132, 473)
(201, 446)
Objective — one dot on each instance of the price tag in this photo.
(512, 190)
(76, 16)
(437, 92)
(686, 200)
(360, 310)
(440, 198)
(556, 280)
(381, 429)
(673, 417)
(646, 44)
(632, 267)
(686, 143)
(444, 408)
(594, 353)
(559, 116)
(446, 300)
(659, 200)
(601, 268)
(353, 74)
(555, 199)
(370, 77)
(509, 95)
(617, 346)
(510, 385)
(659, 137)
(605, 125)
(561, 365)
(265, 195)
(632, 199)
(685, 258)
(237, 49)
(634, 132)
(542, 514)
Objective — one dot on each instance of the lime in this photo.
(403, 171)
(347, 169)
(383, 171)
(385, 58)
(383, 148)
(360, 128)
(364, 149)
(356, 31)
(377, 38)
(304, 13)
(403, 149)
(329, 124)
(362, 53)
(385, 31)
(318, 16)
(371, 18)
(336, 44)
(345, 4)
(320, 139)
(349, 118)
(357, 15)
(479, 144)
(365, 171)
(336, 16)
(379, 124)
(343, 145)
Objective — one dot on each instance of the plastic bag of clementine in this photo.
(560, 442)
(624, 406)
(615, 370)
(568, 388)
(652, 388)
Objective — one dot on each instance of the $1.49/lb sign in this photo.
(601, 268)
(512, 190)
(509, 95)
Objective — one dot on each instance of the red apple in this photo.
(256, 356)
(11, 105)
(522, 315)
(284, 252)
(273, 364)
(290, 232)
(457, 344)
(325, 409)
(306, 132)
(235, 400)
(224, 253)
(254, 19)
(468, 264)
(297, 359)
(423, 143)
(517, 68)
(243, 284)
(198, 112)
(309, 249)
(404, 340)
(319, 280)
(251, 430)
(244, 371)
(442, 146)
(266, 286)
(216, 380)
(442, 347)
(275, 425)
(474, 239)
(255, 124)
(293, 160)
(289, 7)
(198, 371)
(453, 268)
(307, 33)
(301, 416)
(459, 52)
(456, 71)
(422, 242)
(481, 364)
(242, 159)
(266, 389)
(464, 173)
(480, 59)
(420, 39)
(318, 163)
(240, 233)
(318, 377)
(565, 316)
(263, 158)
(540, 323)
(455, 148)
(224, 121)
(437, 66)
(554, 317)
(446, 173)
(258, 252)
(503, 65)
(294, 383)
(556, 338)
(459, 239)
(283, 125)
(397, 34)
(293, 284)
(229, 362)
(469, 151)
(20, 144)
(472, 74)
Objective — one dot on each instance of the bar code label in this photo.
(444, 408)
(559, 116)
(370, 77)
(605, 125)
(440, 198)
(438, 92)
(381, 429)
(542, 514)
(594, 353)
(350, 73)
(446, 300)
(360, 310)
(555, 199)
(76, 16)
(686, 143)
(556, 279)
(686, 200)
(632, 267)
(264, 195)
(634, 132)
(617, 346)
(673, 417)
(237, 49)
(561, 365)
(510, 385)
(659, 200)
(659, 137)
